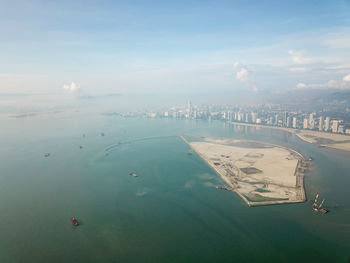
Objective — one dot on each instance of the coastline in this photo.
(322, 139)
(235, 186)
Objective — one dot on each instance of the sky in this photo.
(173, 47)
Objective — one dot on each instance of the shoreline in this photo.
(337, 139)
(235, 186)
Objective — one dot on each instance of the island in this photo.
(260, 173)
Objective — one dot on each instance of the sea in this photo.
(58, 165)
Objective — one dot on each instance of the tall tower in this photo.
(189, 106)
(276, 119)
(327, 124)
(311, 121)
(335, 125)
(305, 123)
(320, 124)
(253, 117)
(285, 118)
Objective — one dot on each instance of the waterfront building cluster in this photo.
(271, 115)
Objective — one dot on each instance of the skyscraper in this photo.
(335, 125)
(253, 117)
(285, 118)
(327, 124)
(320, 124)
(288, 122)
(311, 121)
(305, 123)
(276, 119)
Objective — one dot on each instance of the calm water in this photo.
(170, 213)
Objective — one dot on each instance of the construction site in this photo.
(260, 173)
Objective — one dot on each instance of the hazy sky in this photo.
(173, 46)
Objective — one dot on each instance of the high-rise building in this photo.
(223, 115)
(320, 124)
(288, 122)
(253, 117)
(229, 115)
(270, 121)
(285, 117)
(247, 119)
(189, 106)
(311, 121)
(335, 125)
(327, 124)
(295, 123)
(305, 123)
(276, 119)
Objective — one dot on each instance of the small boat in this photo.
(134, 174)
(47, 154)
(74, 221)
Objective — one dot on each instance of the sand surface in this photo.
(261, 174)
(332, 140)
(326, 139)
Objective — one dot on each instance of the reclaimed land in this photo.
(260, 173)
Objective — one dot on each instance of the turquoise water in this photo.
(170, 213)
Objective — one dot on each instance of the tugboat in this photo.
(74, 221)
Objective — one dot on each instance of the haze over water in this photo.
(171, 213)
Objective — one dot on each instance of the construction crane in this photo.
(321, 204)
(314, 205)
(317, 207)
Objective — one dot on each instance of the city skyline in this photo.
(269, 115)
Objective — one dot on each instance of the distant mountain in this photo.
(100, 96)
(340, 97)
(312, 99)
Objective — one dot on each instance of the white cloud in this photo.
(301, 86)
(298, 69)
(237, 64)
(243, 75)
(71, 87)
(332, 84)
(347, 78)
(298, 57)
